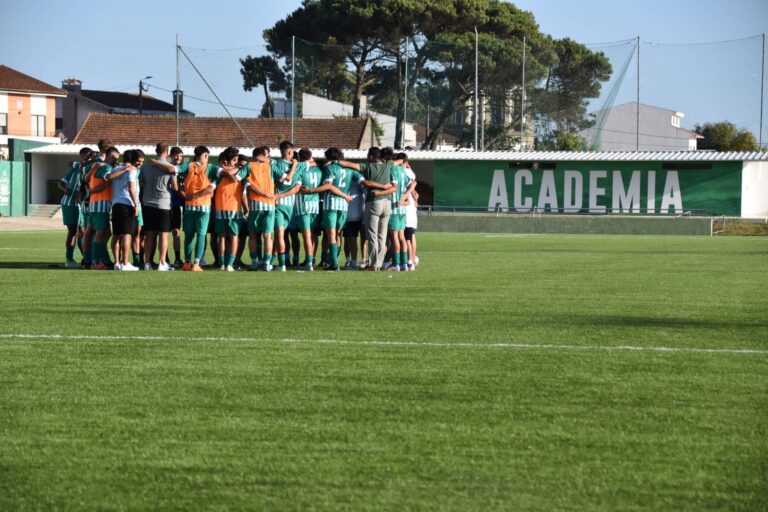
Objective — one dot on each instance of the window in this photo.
(676, 121)
(3, 124)
(38, 126)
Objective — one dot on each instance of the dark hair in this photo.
(285, 145)
(242, 158)
(161, 147)
(305, 155)
(200, 150)
(261, 150)
(87, 153)
(139, 153)
(401, 156)
(333, 154)
(176, 150)
(374, 154)
(104, 145)
(228, 154)
(112, 149)
(387, 154)
(129, 156)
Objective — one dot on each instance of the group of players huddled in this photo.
(272, 203)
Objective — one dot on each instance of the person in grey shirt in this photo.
(377, 173)
(159, 179)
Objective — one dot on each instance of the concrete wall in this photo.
(754, 189)
(45, 168)
(524, 224)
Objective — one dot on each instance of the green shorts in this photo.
(283, 215)
(99, 221)
(224, 226)
(196, 222)
(396, 222)
(307, 221)
(262, 221)
(334, 219)
(70, 215)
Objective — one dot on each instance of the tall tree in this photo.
(725, 136)
(265, 72)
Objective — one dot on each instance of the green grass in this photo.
(495, 380)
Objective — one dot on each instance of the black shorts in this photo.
(123, 220)
(156, 220)
(409, 232)
(175, 217)
(353, 227)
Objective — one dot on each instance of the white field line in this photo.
(464, 345)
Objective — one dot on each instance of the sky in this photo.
(112, 45)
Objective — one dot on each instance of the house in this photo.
(616, 129)
(316, 107)
(80, 102)
(125, 130)
(27, 108)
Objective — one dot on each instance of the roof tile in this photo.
(16, 81)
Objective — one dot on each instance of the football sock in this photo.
(70, 253)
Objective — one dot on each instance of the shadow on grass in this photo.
(33, 265)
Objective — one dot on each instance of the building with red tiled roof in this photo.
(124, 130)
(28, 108)
(80, 103)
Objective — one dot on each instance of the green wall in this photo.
(706, 188)
(13, 188)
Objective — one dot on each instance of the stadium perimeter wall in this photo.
(564, 224)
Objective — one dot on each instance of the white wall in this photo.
(754, 189)
(47, 167)
(3, 103)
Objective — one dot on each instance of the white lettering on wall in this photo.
(548, 192)
(595, 191)
(629, 200)
(671, 195)
(520, 205)
(651, 205)
(574, 191)
(498, 192)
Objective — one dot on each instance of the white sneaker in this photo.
(416, 261)
(117, 266)
(282, 268)
(267, 267)
(164, 267)
(147, 266)
(223, 268)
(128, 267)
(71, 264)
(363, 264)
(230, 268)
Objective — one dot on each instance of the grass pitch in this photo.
(508, 372)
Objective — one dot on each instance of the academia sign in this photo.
(648, 188)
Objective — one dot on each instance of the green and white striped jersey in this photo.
(341, 178)
(400, 178)
(72, 181)
(280, 168)
(309, 177)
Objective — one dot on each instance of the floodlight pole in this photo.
(476, 84)
(293, 84)
(637, 127)
(405, 98)
(141, 94)
(522, 103)
(178, 89)
(762, 93)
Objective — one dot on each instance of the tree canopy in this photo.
(348, 49)
(725, 136)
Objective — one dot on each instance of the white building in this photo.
(660, 130)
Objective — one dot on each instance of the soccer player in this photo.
(399, 198)
(229, 203)
(353, 226)
(377, 172)
(336, 182)
(175, 157)
(411, 217)
(99, 206)
(260, 187)
(138, 235)
(199, 180)
(286, 189)
(70, 209)
(158, 177)
(125, 206)
(308, 205)
(242, 163)
(88, 235)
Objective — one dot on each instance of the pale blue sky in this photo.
(111, 45)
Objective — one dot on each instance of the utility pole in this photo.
(637, 127)
(405, 97)
(293, 85)
(476, 84)
(522, 103)
(177, 92)
(762, 93)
